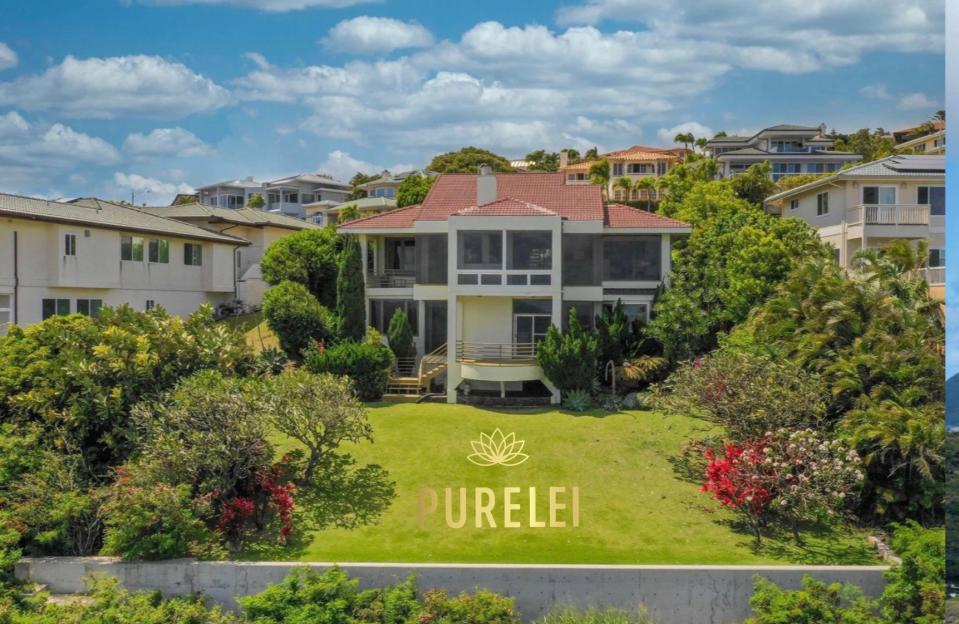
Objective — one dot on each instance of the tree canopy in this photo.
(413, 189)
(308, 257)
(468, 160)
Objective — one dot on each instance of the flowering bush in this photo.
(792, 476)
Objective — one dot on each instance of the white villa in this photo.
(257, 227)
(63, 258)
(869, 205)
(233, 194)
(792, 150)
(488, 262)
(634, 163)
(289, 195)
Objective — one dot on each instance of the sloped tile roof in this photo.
(240, 216)
(642, 152)
(92, 212)
(399, 218)
(622, 216)
(506, 207)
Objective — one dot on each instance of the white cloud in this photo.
(877, 91)
(139, 85)
(8, 58)
(666, 135)
(376, 34)
(276, 6)
(342, 166)
(914, 101)
(150, 186)
(175, 142)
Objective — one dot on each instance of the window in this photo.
(632, 258)
(69, 244)
(383, 191)
(581, 260)
(480, 249)
(307, 198)
(529, 250)
(291, 197)
(150, 304)
(636, 313)
(785, 169)
(382, 310)
(617, 169)
(878, 195)
(273, 198)
(90, 307)
(822, 204)
(400, 254)
(131, 248)
(5, 311)
(51, 307)
(821, 167)
(431, 251)
(192, 254)
(584, 312)
(786, 146)
(937, 258)
(640, 168)
(934, 197)
(794, 204)
(836, 255)
(159, 251)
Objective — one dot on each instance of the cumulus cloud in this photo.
(138, 85)
(165, 142)
(8, 58)
(915, 101)
(275, 6)
(876, 92)
(342, 166)
(666, 135)
(366, 34)
(151, 186)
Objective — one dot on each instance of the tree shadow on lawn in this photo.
(265, 546)
(822, 544)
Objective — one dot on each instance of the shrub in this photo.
(569, 360)
(350, 297)
(594, 616)
(747, 394)
(296, 317)
(614, 335)
(307, 257)
(577, 400)
(815, 603)
(400, 335)
(155, 522)
(483, 607)
(273, 361)
(915, 590)
(367, 365)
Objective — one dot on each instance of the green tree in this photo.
(755, 184)
(872, 145)
(308, 257)
(355, 182)
(686, 138)
(413, 189)
(348, 213)
(297, 318)
(647, 186)
(569, 359)
(468, 160)
(614, 334)
(701, 143)
(400, 335)
(350, 293)
(625, 185)
(599, 174)
(544, 161)
(680, 179)
(256, 202)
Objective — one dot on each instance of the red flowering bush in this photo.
(792, 476)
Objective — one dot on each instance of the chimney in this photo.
(563, 159)
(485, 185)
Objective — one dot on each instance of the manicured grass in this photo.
(634, 506)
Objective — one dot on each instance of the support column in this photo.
(366, 302)
(666, 259)
(453, 377)
(420, 328)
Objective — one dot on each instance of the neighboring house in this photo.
(289, 195)
(63, 258)
(488, 262)
(870, 205)
(926, 139)
(388, 184)
(322, 214)
(231, 194)
(790, 149)
(257, 227)
(634, 163)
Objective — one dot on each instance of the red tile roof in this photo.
(621, 216)
(399, 218)
(506, 207)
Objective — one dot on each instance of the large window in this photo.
(480, 249)
(382, 310)
(51, 307)
(584, 312)
(431, 258)
(400, 254)
(821, 167)
(937, 257)
(159, 251)
(882, 195)
(69, 244)
(785, 169)
(192, 254)
(632, 258)
(529, 250)
(934, 197)
(640, 168)
(90, 307)
(581, 260)
(291, 197)
(131, 248)
(5, 312)
(822, 204)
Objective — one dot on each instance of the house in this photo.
(388, 184)
(323, 214)
(488, 262)
(257, 227)
(62, 258)
(635, 163)
(928, 138)
(289, 195)
(790, 149)
(872, 204)
(229, 193)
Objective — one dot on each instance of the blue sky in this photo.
(105, 97)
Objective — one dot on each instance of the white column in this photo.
(420, 328)
(453, 377)
(666, 258)
(366, 299)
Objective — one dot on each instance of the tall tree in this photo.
(308, 257)
(599, 174)
(400, 335)
(350, 293)
(413, 189)
(755, 184)
(647, 186)
(468, 160)
(543, 160)
(686, 138)
(625, 185)
(356, 181)
(871, 145)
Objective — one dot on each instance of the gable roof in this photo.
(309, 178)
(400, 218)
(93, 212)
(506, 207)
(776, 128)
(622, 216)
(239, 216)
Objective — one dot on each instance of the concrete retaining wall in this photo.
(671, 594)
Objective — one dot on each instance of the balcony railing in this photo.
(391, 279)
(889, 214)
(496, 352)
(936, 276)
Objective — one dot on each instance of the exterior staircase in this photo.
(411, 380)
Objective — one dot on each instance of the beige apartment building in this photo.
(634, 163)
(64, 258)
(872, 204)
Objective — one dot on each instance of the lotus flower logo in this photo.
(497, 449)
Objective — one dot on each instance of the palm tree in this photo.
(624, 184)
(599, 174)
(686, 138)
(650, 186)
(701, 143)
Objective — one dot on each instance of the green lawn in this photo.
(634, 506)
